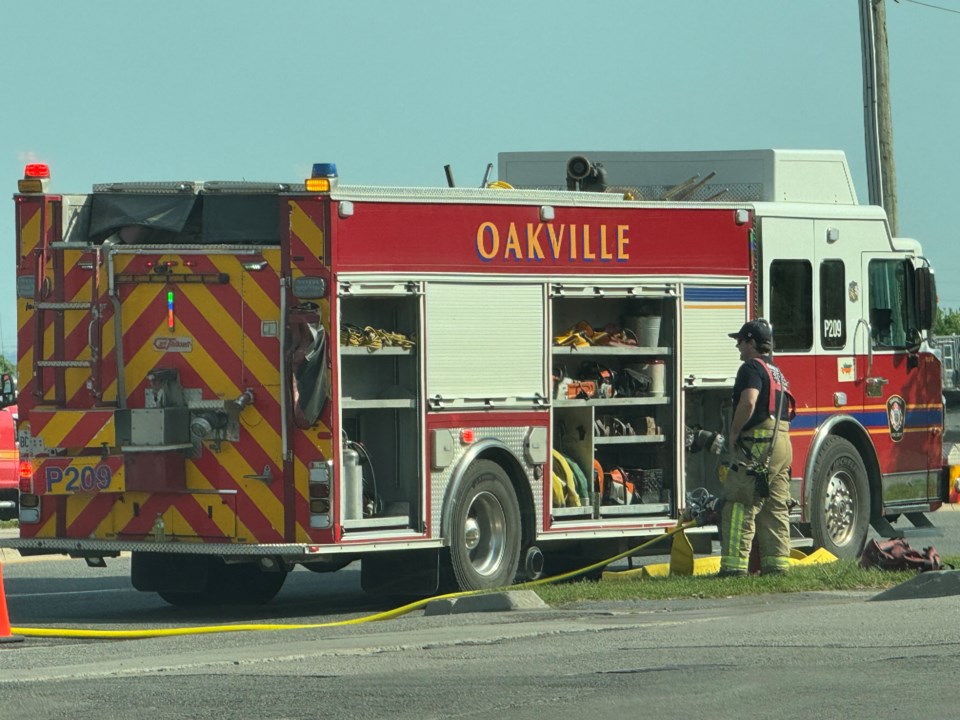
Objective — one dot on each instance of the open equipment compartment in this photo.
(614, 397)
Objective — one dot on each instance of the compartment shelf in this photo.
(391, 404)
(377, 523)
(612, 402)
(635, 509)
(629, 439)
(367, 352)
(623, 350)
(582, 511)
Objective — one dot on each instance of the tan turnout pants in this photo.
(745, 514)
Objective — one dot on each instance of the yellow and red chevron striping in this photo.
(307, 239)
(231, 344)
(73, 430)
(29, 245)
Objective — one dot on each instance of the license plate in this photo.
(81, 476)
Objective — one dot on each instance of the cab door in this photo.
(901, 385)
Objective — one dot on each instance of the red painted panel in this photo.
(506, 238)
(486, 419)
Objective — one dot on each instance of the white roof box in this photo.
(803, 176)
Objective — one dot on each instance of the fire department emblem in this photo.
(896, 417)
(854, 291)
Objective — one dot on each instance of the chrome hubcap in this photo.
(840, 507)
(471, 534)
(484, 533)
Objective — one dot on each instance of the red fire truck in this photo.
(9, 457)
(454, 385)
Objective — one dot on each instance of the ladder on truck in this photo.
(61, 308)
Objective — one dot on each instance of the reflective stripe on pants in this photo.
(767, 518)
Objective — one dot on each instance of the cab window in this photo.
(892, 315)
(791, 304)
(833, 306)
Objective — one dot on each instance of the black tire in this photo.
(10, 513)
(485, 529)
(186, 599)
(328, 566)
(241, 584)
(840, 504)
(244, 583)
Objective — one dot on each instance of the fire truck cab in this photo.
(455, 385)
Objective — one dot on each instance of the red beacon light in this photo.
(35, 178)
(36, 170)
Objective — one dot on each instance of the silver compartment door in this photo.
(710, 312)
(485, 344)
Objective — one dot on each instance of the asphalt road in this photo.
(829, 655)
(823, 655)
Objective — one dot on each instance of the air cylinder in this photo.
(352, 485)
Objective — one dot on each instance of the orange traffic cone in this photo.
(5, 635)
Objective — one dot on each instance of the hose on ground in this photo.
(376, 617)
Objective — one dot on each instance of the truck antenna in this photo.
(486, 175)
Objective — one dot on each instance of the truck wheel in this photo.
(240, 584)
(9, 504)
(243, 583)
(840, 505)
(186, 599)
(485, 529)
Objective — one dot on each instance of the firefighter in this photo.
(756, 476)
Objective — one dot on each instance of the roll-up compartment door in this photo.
(710, 312)
(485, 342)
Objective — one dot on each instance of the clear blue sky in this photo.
(391, 91)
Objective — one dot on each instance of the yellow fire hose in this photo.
(386, 615)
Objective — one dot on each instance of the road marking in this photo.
(68, 592)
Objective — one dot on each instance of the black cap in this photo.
(758, 330)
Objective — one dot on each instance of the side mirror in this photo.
(8, 390)
(914, 341)
(926, 298)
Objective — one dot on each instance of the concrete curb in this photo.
(489, 602)
(931, 584)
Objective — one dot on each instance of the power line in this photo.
(935, 7)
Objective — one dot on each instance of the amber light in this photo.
(321, 185)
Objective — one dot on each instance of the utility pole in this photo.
(877, 118)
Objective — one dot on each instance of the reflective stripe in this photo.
(775, 562)
(730, 558)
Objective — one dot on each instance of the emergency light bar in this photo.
(323, 177)
(35, 178)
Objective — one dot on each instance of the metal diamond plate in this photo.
(513, 438)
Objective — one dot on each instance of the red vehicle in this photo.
(9, 457)
(454, 385)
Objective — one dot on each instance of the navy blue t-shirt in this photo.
(751, 375)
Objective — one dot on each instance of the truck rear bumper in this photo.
(295, 552)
